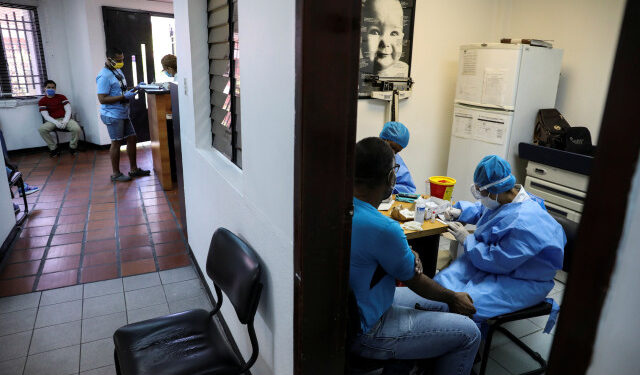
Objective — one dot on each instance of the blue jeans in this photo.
(406, 333)
(118, 128)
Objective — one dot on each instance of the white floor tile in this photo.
(15, 345)
(198, 302)
(102, 327)
(149, 312)
(512, 358)
(493, 368)
(539, 342)
(102, 288)
(20, 302)
(13, 366)
(137, 299)
(178, 274)
(17, 321)
(59, 313)
(521, 328)
(71, 293)
(141, 281)
(96, 354)
(107, 370)
(55, 337)
(183, 289)
(103, 305)
(56, 362)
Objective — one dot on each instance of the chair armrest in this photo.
(15, 177)
(543, 308)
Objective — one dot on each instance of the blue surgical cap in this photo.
(492, 169)
(396, 132)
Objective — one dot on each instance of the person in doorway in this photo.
(397, 136)
(56, 112)
(510, 260)
(391, 325)
(114, 112)
(169, 65)
(382, 44)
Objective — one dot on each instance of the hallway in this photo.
(82, 228)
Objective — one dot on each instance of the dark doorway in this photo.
(130, 31)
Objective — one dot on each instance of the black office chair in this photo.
(541, 309)
(15, 178)
(193, 342)
(56, 131)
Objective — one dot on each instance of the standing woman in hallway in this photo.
(114, 112)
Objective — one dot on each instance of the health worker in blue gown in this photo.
(510, 260)
(397, 136)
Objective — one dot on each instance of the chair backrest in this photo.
(570, 230)
(234, 268)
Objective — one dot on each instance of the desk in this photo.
(424, 242)
(159, 106)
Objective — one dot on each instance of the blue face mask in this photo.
(50, 92)
(168, 74)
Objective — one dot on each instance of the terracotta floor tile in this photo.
(169, 236)
(57, 280)
(173, 261)
(157, 209)
(130, 204)
(154, 202)
(77, 210)
(101, 234)
(122, 198)
(150, 188)
(96, 259)
(162, 216)
(61, 264)
(20, 269)
(101, 224)
(42, 221)
(75, 203)
(47, 205)
(137, 267)
(169, 248)
(152, 194)
(103, 199)
(72, 219)
(53, 212)
(16, 286)
(36, 231)
(99, 273)
(25, 255)
(50, 198)
(64, 250)
(133, 230)
(98, 246)
(136, 211)
(103, 207)
(61, 239)
(31, 242)
(128, 255)
(102, 215)
(128, 242)
(70, 228)
(131, 220)
(163, 226)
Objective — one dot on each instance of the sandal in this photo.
(139, 173)
(120, 178)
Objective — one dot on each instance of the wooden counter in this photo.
(159, 107)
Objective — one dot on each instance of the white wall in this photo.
(586, 30)
(616, 346)
(74, 47)
(7, 217)
(255, 202)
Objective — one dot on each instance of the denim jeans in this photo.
(406, 333)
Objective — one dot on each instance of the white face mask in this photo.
(489, 203)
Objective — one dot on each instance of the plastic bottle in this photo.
(421, 208)
(433, 216)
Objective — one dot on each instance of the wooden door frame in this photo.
(596, 247)
(327, 58)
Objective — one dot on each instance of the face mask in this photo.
(168, 74)
(489, 203)
(50, 92)
(118, 65)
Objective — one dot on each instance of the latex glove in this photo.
(64, 123)
(458, 231)
(452, 213)
(59, 124)
(130, 94)
(418, 263)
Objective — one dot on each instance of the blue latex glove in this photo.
(129, 94)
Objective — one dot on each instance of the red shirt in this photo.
(55, 105)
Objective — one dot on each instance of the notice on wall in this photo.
(490, 130)
(469, 62)
(493, 87)
(462, 126)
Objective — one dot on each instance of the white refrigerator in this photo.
(500, 88)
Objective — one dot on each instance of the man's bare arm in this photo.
(425, 287)
(106, 99)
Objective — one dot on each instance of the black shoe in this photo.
(73, 151)
(54, 153)
(139, 173)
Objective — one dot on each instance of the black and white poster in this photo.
(385, 48)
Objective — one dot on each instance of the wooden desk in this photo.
(159, 107)
(425, 242)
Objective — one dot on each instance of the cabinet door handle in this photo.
(540, 171)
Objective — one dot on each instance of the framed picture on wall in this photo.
(386, 27)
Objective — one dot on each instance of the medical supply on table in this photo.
(442, 222)
(404, 199)
(408, 195)
(402, 214)
(433, 216)
(441, 187)
(385, 206)
(412, 225)
(420, 211)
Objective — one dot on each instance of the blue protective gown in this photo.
(509, 261)
(404, 182)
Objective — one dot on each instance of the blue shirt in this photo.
(404, 182)
(376, 240)
(108, 84)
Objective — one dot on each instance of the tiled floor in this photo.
(84, 228)
(69, 330)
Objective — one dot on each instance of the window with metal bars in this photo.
(22, 68)
(224, 74)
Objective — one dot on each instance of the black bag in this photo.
(551, 129)
(579, 141)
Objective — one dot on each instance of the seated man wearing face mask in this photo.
(56, 112)
(510, 260)
(397, 136)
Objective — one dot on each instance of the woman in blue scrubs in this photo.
(397, 136)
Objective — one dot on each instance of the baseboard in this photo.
(218, 316)
(64, 146)
(4, 249)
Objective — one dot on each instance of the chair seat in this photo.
(189, 342)
(543, 308)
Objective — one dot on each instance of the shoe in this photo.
(139, 173)
(28, 189)
(73, 151)
(54, 153)
(16, 209)
(120, 178)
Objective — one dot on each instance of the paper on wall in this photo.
(462, 126)
(490, 130)
(493, 87)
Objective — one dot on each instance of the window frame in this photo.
(6, 86)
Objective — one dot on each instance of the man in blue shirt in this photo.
(391, 327)
(397, 136)
(114, 112)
